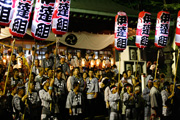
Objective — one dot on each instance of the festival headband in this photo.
(113, 88)
(137, 88)
(20, 87)
(45, 82)
(13, 88)
(127, 87)
(156, 80)
(150, 81)
(62, 56)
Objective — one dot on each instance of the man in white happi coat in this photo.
(156, 100)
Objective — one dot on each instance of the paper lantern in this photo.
(143, 29)
(98, 62)
(42, 19)
(83, 62)
(71, 67)
(112, 61)
(92, 63)
(6, 11)
(4, 60)
(20, 20)
(61, 17)
(177, 39)
(103, 63)
(162, 29)
(121, 31)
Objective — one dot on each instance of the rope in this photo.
(29, 48)
(47, 45)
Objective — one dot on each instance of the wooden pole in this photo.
(119, 75)
(119, 66)
(31, 67)
(138, 52)
(156, 65)
(54, 67)
(4, 92)
(29, 79)
(176, 70)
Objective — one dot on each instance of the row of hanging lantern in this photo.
(55, 13)
(143, 29)
(97, 63)
(47, 14)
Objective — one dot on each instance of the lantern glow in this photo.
(103, 63)
(92, 63)
(112, 61)
(4, 61)
(97, 62)
(71, 67)
(83, 62)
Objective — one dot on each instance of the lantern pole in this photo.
(119, 73)
(176, 70)
(54, 67)
(119, 66)
(156, 65)
(4, 92)
(138, 52)
(30, 78)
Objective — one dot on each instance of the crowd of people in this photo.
(61, 88)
